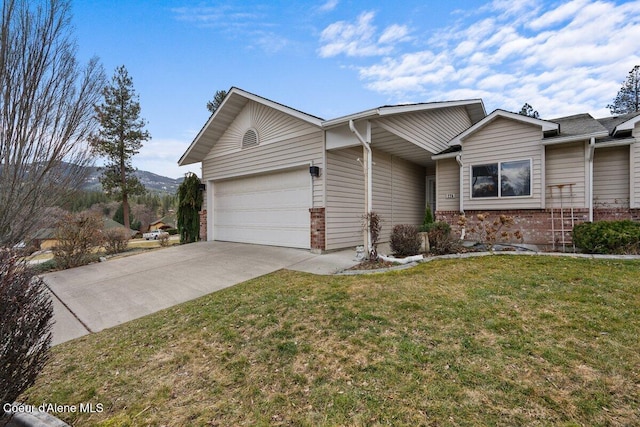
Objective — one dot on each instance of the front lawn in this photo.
(499, 340)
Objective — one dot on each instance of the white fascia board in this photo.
(574, 138)
(410, 108)
(628, 125)
(398, 109)
(545, 125)
(338, 121)
(451, 155)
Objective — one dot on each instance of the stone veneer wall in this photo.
(536, 225)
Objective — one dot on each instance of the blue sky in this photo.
(335, 57)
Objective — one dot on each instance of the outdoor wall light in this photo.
(314, 171)
(202, 187)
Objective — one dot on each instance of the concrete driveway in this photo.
(102, 295)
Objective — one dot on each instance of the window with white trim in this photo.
(501, 179)
(250, 138)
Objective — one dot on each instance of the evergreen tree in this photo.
(120, 138)
(527, 110)
(189, 205)
(216, 101)
(628, 98)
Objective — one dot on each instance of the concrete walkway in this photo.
(102, 295)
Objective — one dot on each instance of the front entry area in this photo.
(266, 209)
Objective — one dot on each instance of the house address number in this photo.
(451, 196)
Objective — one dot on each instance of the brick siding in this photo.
(318, 226)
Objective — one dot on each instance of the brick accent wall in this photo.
(203, 224)
(536, 225)
(318, 243)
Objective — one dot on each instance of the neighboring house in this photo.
(165, 223)
(542, 172)
(45, 239)
(110, 223)
(277, 176)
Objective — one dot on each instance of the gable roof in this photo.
(617, 125)
(226, 113)
(474, 107)
(546, 125)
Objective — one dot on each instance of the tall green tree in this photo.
(119, 138)
(527, 110)
(219, 96)
(189, 206)
(628, 98)
(46, 112)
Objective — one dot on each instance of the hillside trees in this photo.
(119, 138)
(628, 98)
(46, 112)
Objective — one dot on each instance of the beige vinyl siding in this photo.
(345, 198)
(398, 191)
(635, 169)
(565, 164)
(503, 140)
(611, 177)
(431, 130)
(284, 142)
(447, 182)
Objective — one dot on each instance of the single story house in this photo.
(274, 175)
(167, 222)
(547, 174)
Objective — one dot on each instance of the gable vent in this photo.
(250, 139)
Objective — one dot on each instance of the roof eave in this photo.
(574, 138)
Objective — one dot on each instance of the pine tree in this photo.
(628, 98)
(120, 138)
(527, 110)
(219, 96)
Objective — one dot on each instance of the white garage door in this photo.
(270, 209)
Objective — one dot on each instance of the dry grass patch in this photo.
(488, 341)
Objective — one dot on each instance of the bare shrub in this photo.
(25, 327)
(164, 239)
(440, 239)
(116, 240)
(372, 224)
(78, 236)
(405, 240)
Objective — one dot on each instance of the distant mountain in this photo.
(151, 181)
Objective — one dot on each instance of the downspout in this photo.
(461, 191)
(368, 174)
(590, 153)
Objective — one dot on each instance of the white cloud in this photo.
(562, 58)
(161, 156)
(328, 6)
(359, 38)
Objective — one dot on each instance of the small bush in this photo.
(26, 316)
(116, 240)
(78, 236)
(405, 240)
(164, 240)
(427, 222)
(608, 237)
(440, 238)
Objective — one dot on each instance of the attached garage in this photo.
(266, 209)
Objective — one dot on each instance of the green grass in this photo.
(498, 340)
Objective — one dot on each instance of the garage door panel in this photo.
(268, 209)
